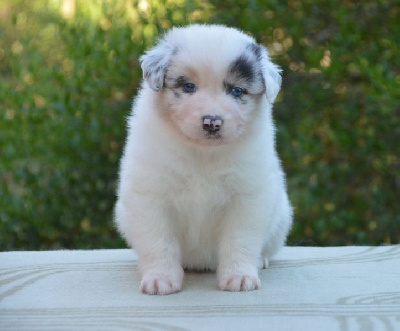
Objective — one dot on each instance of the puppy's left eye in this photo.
(189, 88)
(237, 92)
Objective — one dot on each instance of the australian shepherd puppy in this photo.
(201, 185)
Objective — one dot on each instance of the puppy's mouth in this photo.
(212, 136)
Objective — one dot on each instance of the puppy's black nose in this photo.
(212, 124)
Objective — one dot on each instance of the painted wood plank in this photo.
(305, 288)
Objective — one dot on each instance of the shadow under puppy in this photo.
(201, 186)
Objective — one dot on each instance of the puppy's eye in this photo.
(189, 88)
(237, 92)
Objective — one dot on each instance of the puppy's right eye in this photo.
(189, 88)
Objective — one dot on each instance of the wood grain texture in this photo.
(336, 288)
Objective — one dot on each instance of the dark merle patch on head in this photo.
(255, 49)
(155, 67)
(175, 82)
(176, 50)
(242, 68)
(180, 81)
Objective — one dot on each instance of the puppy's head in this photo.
(210, 81)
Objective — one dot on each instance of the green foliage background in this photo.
(69, 70)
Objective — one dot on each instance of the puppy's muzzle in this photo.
(212, 124)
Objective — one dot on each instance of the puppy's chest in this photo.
(198, 204)
(198, 201)
(204, 191)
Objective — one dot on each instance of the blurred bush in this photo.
(69, 70)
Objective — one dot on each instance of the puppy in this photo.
(201, 186)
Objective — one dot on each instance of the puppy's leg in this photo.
(147, 228)
(240, 249)
(282, 220)
(263, 262)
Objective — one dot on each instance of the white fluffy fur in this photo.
(186, 200)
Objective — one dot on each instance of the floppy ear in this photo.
(154, 64)
(272, 76)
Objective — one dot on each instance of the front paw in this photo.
(238, 282)
(161, 283)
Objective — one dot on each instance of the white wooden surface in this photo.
(346, 288)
